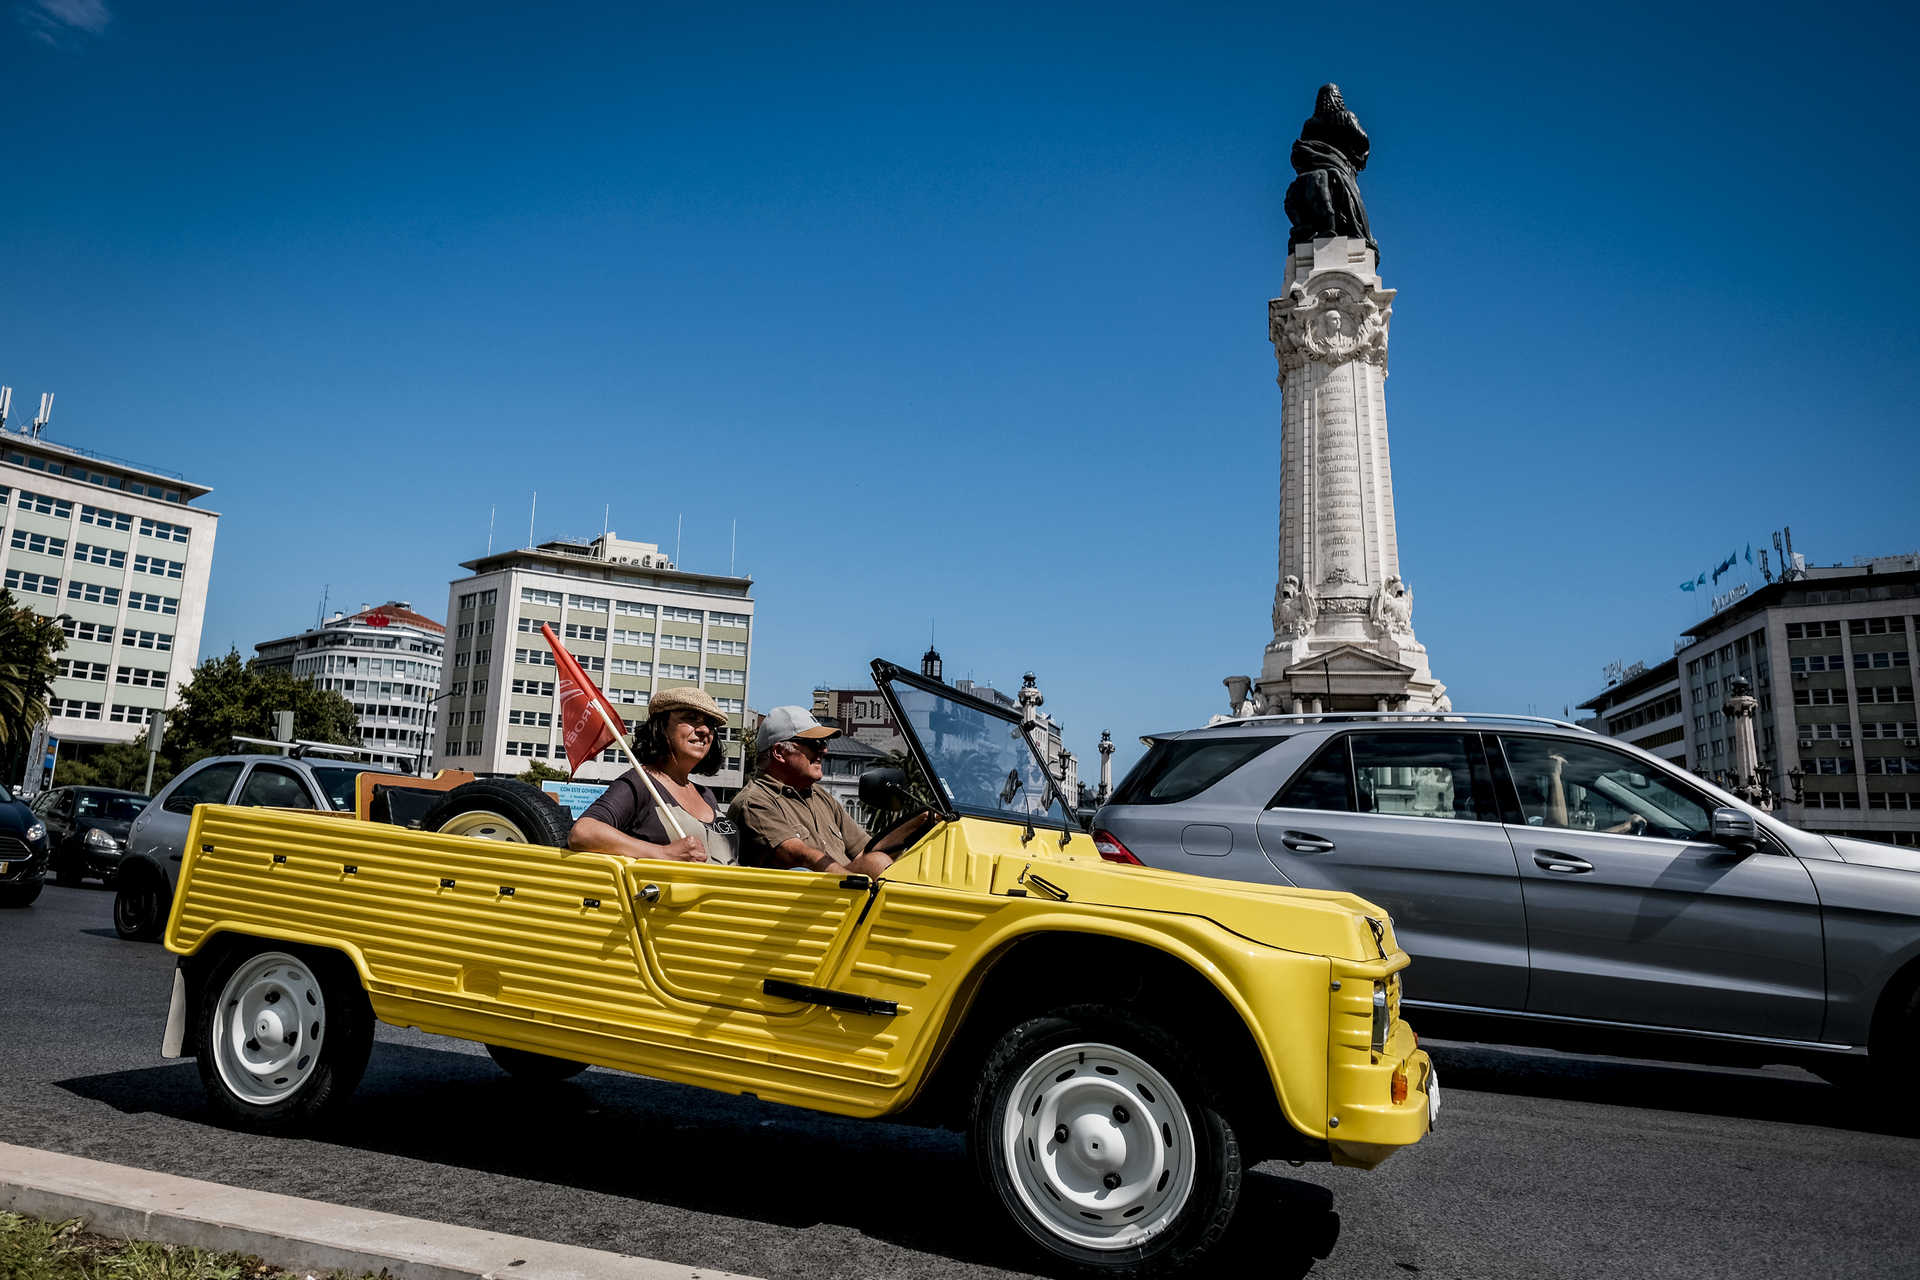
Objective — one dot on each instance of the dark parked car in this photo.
(87, 829)
(23, 853)
(1553, 886)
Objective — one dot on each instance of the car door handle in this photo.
(1565, 863)
(1306, 842)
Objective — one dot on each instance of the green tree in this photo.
(540, 771)
(28, 641)
(112, 764)
(229, 696)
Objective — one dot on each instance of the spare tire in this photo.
(500, 809)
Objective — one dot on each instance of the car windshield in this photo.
(337, 781)
(111, 808)
(981, 761)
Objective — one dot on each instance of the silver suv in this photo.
(143, 884)
(1555, 886)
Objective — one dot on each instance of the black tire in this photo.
(281, 1083)
(501, 809)
(14, 896)
(1183, 1125)
(141, 899)
(535, 1068)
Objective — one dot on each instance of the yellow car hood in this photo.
(1315, 921)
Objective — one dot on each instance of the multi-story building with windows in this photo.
(637, 624)
(1830, 655)
(1643, 707)
(120, 555)
(386, 661)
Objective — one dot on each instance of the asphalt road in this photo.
(1543, 1165)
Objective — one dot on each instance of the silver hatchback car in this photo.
(1555, 886)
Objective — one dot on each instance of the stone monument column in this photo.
(1342, 615)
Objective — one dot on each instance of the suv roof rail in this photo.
(1316, 717)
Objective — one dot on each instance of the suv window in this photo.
(271, 786)
(337, 780)
(1423, 775)
(1326, 782)
(209, 786)
(1180, 769)
(1589, 788)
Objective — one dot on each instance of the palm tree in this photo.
(28, 641)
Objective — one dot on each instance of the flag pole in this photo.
(666, 810)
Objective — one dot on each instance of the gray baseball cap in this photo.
(783, 723)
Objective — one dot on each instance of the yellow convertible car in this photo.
(1118, 1044)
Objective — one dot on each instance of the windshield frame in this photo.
(886, 673)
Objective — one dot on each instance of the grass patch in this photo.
(31, 1249)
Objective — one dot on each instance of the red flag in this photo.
(581, 726)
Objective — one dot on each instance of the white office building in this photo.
(386, 661)
(118, 552)
(637, 623)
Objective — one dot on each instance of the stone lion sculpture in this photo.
(1294, 608)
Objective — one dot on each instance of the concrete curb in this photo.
(287, 1231)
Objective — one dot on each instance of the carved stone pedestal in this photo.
(1342, 616)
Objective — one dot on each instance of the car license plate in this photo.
(1433, 1096)
(3, 867)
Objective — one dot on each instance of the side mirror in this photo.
(886, 789)
(1734, 828)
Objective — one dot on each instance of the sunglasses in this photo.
(815, 747)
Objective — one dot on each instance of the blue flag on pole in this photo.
(1687, 585)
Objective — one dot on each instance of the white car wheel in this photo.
(268, 1028)
(1099, 1146)
(481, 825)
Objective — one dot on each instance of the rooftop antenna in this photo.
(6, 403)
(733, 545)
(606, 521)
(530, 510)
(321, 617)
(490, 511)
(676, 539)
(46, 414)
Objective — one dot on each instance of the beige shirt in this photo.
(769, 813)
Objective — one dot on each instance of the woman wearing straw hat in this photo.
(663, 813)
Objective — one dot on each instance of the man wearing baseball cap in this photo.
(785, 820)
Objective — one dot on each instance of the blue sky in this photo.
(960, 311)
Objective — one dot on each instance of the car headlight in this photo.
(98, 839)
(38, 831)
(1382, 1017)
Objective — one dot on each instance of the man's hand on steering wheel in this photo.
(904, 832)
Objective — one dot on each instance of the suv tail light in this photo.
(1112, 850)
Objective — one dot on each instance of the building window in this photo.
(105, 519)
(538, 719)
(534, 688)
(466, 601)
(44, 505)
(147, 602)
(101, 632)
(162, 530)
(86, 553)
(727, 619)
(140, 677)
(121, 714)
(672, 614)
(588, 604)
(737, 648)
(73, 708)
(94, 593)
(39, 543)
(686, 644)
(581, 631)
(158, 567)
(533, 595)
(159, 641)
(674, 671)
(633, 609)
(37, 584)
(726, 675)
(534, 657)
(76, 670)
